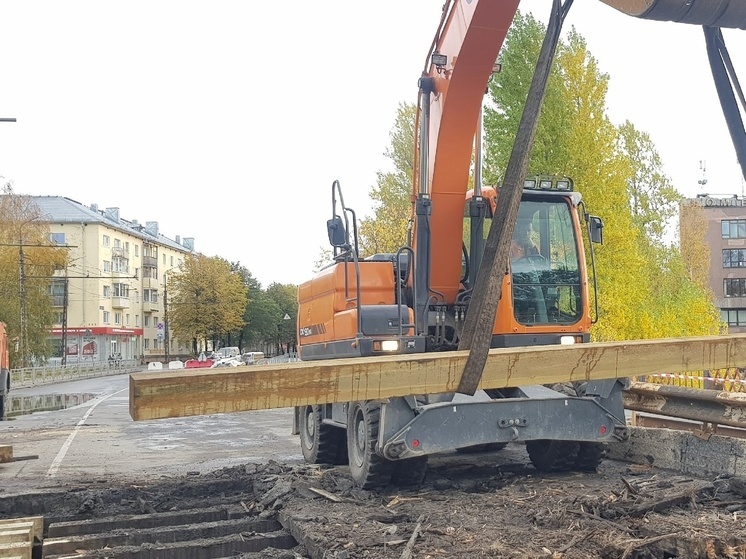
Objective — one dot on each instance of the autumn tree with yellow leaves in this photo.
(208, 301)
(28, 262)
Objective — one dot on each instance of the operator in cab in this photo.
(522, 245)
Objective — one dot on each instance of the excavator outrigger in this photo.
(417, 299)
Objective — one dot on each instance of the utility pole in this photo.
(165, 316)
(22, 294)
(64, 321)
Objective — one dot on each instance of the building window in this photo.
(150, 295)
(733, 317)
(137, 250)
(137, 321)
(155, 343)
(106, 240)
(146, 321)
(127, 318)
(121, 290)
(734, 258)
(734, 287)
(107, 317)
(172, 261)
(117, 243)
(164, 259)
(58, 318)
(107, 291)
(107, 267)
(147, 343)
(57, 238)
(118, 318)
(733, 229)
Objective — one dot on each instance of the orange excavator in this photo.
(416, 300)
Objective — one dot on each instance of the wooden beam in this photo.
(6, 453)
(182, 393)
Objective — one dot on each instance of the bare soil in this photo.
(475, 505)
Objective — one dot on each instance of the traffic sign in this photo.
(160, 326)
(160, 336)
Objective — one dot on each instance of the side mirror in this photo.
(596, 229)
(337, 234)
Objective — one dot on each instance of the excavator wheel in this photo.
(368, 469)
(590, 456)
(321, 443)
(410, 471)
(553, 456)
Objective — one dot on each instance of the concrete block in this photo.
(683, 451)
(155, 366)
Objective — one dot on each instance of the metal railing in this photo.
(34, 376)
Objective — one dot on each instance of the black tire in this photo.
(553, 456)
(590, 456)
(368, 469)
(319, 442)
(410, 471)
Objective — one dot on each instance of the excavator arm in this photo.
(452, 87)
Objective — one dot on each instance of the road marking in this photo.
(63, 451)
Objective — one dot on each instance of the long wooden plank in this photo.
(201, 392)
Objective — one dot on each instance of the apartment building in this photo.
(725, 235)
(110, 301)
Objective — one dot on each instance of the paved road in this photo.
(99, 441)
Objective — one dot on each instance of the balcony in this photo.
(58, 300)
(120, 302)
(147, 306)
(150, 283)
(150, 261)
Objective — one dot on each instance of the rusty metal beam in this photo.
(701, 430)
(707, 406)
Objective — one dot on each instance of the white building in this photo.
(110, 301)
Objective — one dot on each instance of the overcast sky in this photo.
(227, 121)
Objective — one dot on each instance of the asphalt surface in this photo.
(98, 441)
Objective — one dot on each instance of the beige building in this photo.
(111, 300)
(726, 237)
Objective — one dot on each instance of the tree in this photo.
(285, 299)
(28, 261)
(260, 317)
(386, 230)
(653, 199)
(208, 300)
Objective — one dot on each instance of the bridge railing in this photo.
(34, 376)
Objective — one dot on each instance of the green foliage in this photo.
(645, 290)
(386, 231)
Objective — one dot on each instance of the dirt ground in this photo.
(474, 505)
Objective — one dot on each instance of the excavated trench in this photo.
(483, 505)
